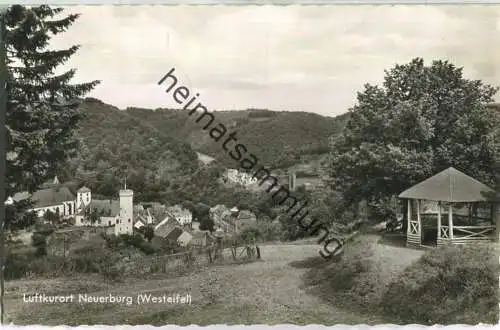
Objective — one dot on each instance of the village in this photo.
(67, 208)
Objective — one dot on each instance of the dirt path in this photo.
(265, 292)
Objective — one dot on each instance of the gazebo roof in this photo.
(449, 185)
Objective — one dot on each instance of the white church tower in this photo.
(83, 198)
(126, 221)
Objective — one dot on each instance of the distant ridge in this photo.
(279, 138)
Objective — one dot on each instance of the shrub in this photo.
(17, 265)
(116, 243)
(147, 248)
(447, 285)
(351, 281)
(112, 242)
(45, 228)
(39, 241)
(249, 235)
(270, 231)
(89, 259)
(384, 209)
(113, 273)
(22, 265)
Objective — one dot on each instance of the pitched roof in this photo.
(174, 234)
(169, 220)
(72, 186)
(166, 226)
(50, 193)
(246, 215)
(188, 230)
(84, 189)
(52, 196)
(20, 196)
(55, 180)
(106, 208)
(177, 210)
(449, 185)
(200, 234)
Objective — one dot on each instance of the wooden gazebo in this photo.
(454, 207)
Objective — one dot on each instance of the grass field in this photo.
(265, 292)
(292, 284)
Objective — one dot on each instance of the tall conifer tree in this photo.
(41, 110)
(42, 106)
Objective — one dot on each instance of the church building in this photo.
(71, 203)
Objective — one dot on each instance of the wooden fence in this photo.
(185, 260)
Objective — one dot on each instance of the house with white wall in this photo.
(182, 215)
(58, 199)
(235, 176)
(184, 238)
(118, 214)
(83, 198)
(61, 199)
(107, 210)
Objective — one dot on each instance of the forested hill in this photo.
(155, 150)
(278, 139)
(115, 145)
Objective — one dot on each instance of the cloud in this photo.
(299, 58)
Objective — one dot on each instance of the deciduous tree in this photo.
(421, 120)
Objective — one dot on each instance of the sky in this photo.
(285, 58)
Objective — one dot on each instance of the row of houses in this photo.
(122, 216)
(174, 233)
(226, 221)
(290, 180)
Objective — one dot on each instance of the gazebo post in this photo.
(439, 223)
(419, 219)
(408, 230)
(450, 220)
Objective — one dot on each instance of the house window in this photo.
(117, 221)
(128, 220)
(109, 223)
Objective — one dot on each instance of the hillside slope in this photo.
(278, 139)
(115, 145)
